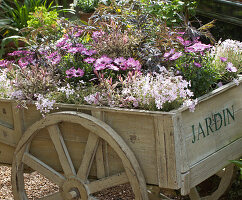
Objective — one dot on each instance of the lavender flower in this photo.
(197, 64)
(223, 59)
(230, 67)
(101, 63)
(44, 105)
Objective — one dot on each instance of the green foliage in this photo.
(170, 11)
(204, 78)
(15, 14)
(87, 6)
(239, 164)
(41, 17)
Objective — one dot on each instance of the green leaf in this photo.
(237, 162)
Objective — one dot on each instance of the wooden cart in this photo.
(85, 149)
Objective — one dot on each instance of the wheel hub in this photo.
(73, 188)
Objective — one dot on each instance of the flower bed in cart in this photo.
(130, 55)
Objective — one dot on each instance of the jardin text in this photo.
(213, 123)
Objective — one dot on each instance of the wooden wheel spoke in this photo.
(62, 151)
(89, 153)
(107, 182)
(54, 196)
(92, 198)
(43, 169)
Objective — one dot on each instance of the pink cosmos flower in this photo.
(175, 56)
(89, 60)
(61, 42)
(73, 50)
(99, 67)
(184, 42)
(230, 67)
(223, 59)
(197, 64)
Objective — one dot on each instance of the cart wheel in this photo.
(75, 184)
(226, 176)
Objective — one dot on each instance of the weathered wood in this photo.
(43, 169)
(89, 153)
(55, 196)
(224, 184)
(97, 129)
(107, 182)
(161, 151)
(62, 151)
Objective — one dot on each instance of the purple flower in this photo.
(23, 62)
(133, 64)
(184, 42)
(74, 73)
(230, 67)
(89, 60)
(168, 54)
(197, 47)
(73, 50)
(61, 42)
(97, 34)
(4, 63)
(79, 32)
(78, 73)
(176, 56)
(113, 67)
(52, 55)
(100, 67)
(197, 64)
(56, 60)
(90, 52)
(220, 84)
(101, 63)
(120, 61)
(223, 59)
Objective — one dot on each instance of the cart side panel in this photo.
(138, 133)
(6, 154)
(215, 125)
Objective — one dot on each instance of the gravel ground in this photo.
(37, 186)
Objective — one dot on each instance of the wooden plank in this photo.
(107, 182)
(215, 162)
(100, 153)
(43, 169)
(90, 151)
(215, 123)
(61, 150)
(139, 134)
(161, 151)
(55, 196)
(170, 153)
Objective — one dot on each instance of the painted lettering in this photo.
(208, 124)
(200, 131)
(212, 124)
(216, 121)
(230, 114)
(194, 135)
